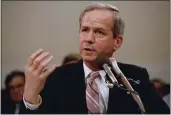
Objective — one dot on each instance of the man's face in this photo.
(16, 88)
(96, 36)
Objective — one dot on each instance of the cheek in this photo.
(22, 90)
(81, 42)
(82, 39)
(80, 45)
(104, 46)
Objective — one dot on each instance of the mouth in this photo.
(88, 49)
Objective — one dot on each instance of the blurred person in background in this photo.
(13, 93)
(163, 89)
(71, 58)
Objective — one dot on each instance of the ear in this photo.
(117, 42)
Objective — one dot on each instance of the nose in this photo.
(16, 90)
(90, 37)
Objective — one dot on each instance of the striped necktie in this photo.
(92, 93)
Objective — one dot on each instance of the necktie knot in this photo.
(93, 75)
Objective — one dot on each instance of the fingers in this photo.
(49, 71)
(33, 57)
(39, 60)
(36, 74)
(44, 64)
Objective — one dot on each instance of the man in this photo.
(81, 87)
(13, 94)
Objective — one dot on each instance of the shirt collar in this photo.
(87, 71)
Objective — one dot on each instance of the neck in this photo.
(92, 65)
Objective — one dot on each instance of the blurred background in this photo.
(54, 26)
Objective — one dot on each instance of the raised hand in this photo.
(36, 75)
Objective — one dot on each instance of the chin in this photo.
(18, 98)
(89, 58)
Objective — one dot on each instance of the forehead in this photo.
(16, 80)
(98, 17)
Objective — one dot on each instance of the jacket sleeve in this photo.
(50, 98)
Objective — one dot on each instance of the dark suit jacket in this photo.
(7, 105)
(64, 92)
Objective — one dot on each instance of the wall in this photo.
(53, 26)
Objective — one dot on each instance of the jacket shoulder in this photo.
(134, 71)
(130, 66)
(63, 72)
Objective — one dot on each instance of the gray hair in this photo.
(118, 27)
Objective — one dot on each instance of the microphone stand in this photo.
(122, 77)
(134, 94)
(104, 62)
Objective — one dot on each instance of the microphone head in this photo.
(101, 60)
(114, 64)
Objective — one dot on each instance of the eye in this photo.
(84, 29)
(100, 32)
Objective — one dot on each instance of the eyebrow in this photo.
(96, 28)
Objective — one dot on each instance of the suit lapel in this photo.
(79, 87)
(114, 100)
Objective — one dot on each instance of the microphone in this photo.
(103, 63)
(124, 80)
(111, 76)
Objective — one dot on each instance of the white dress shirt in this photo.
(102, 86)
(17, 106)
(166, 98)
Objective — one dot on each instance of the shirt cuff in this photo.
(32, 106)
